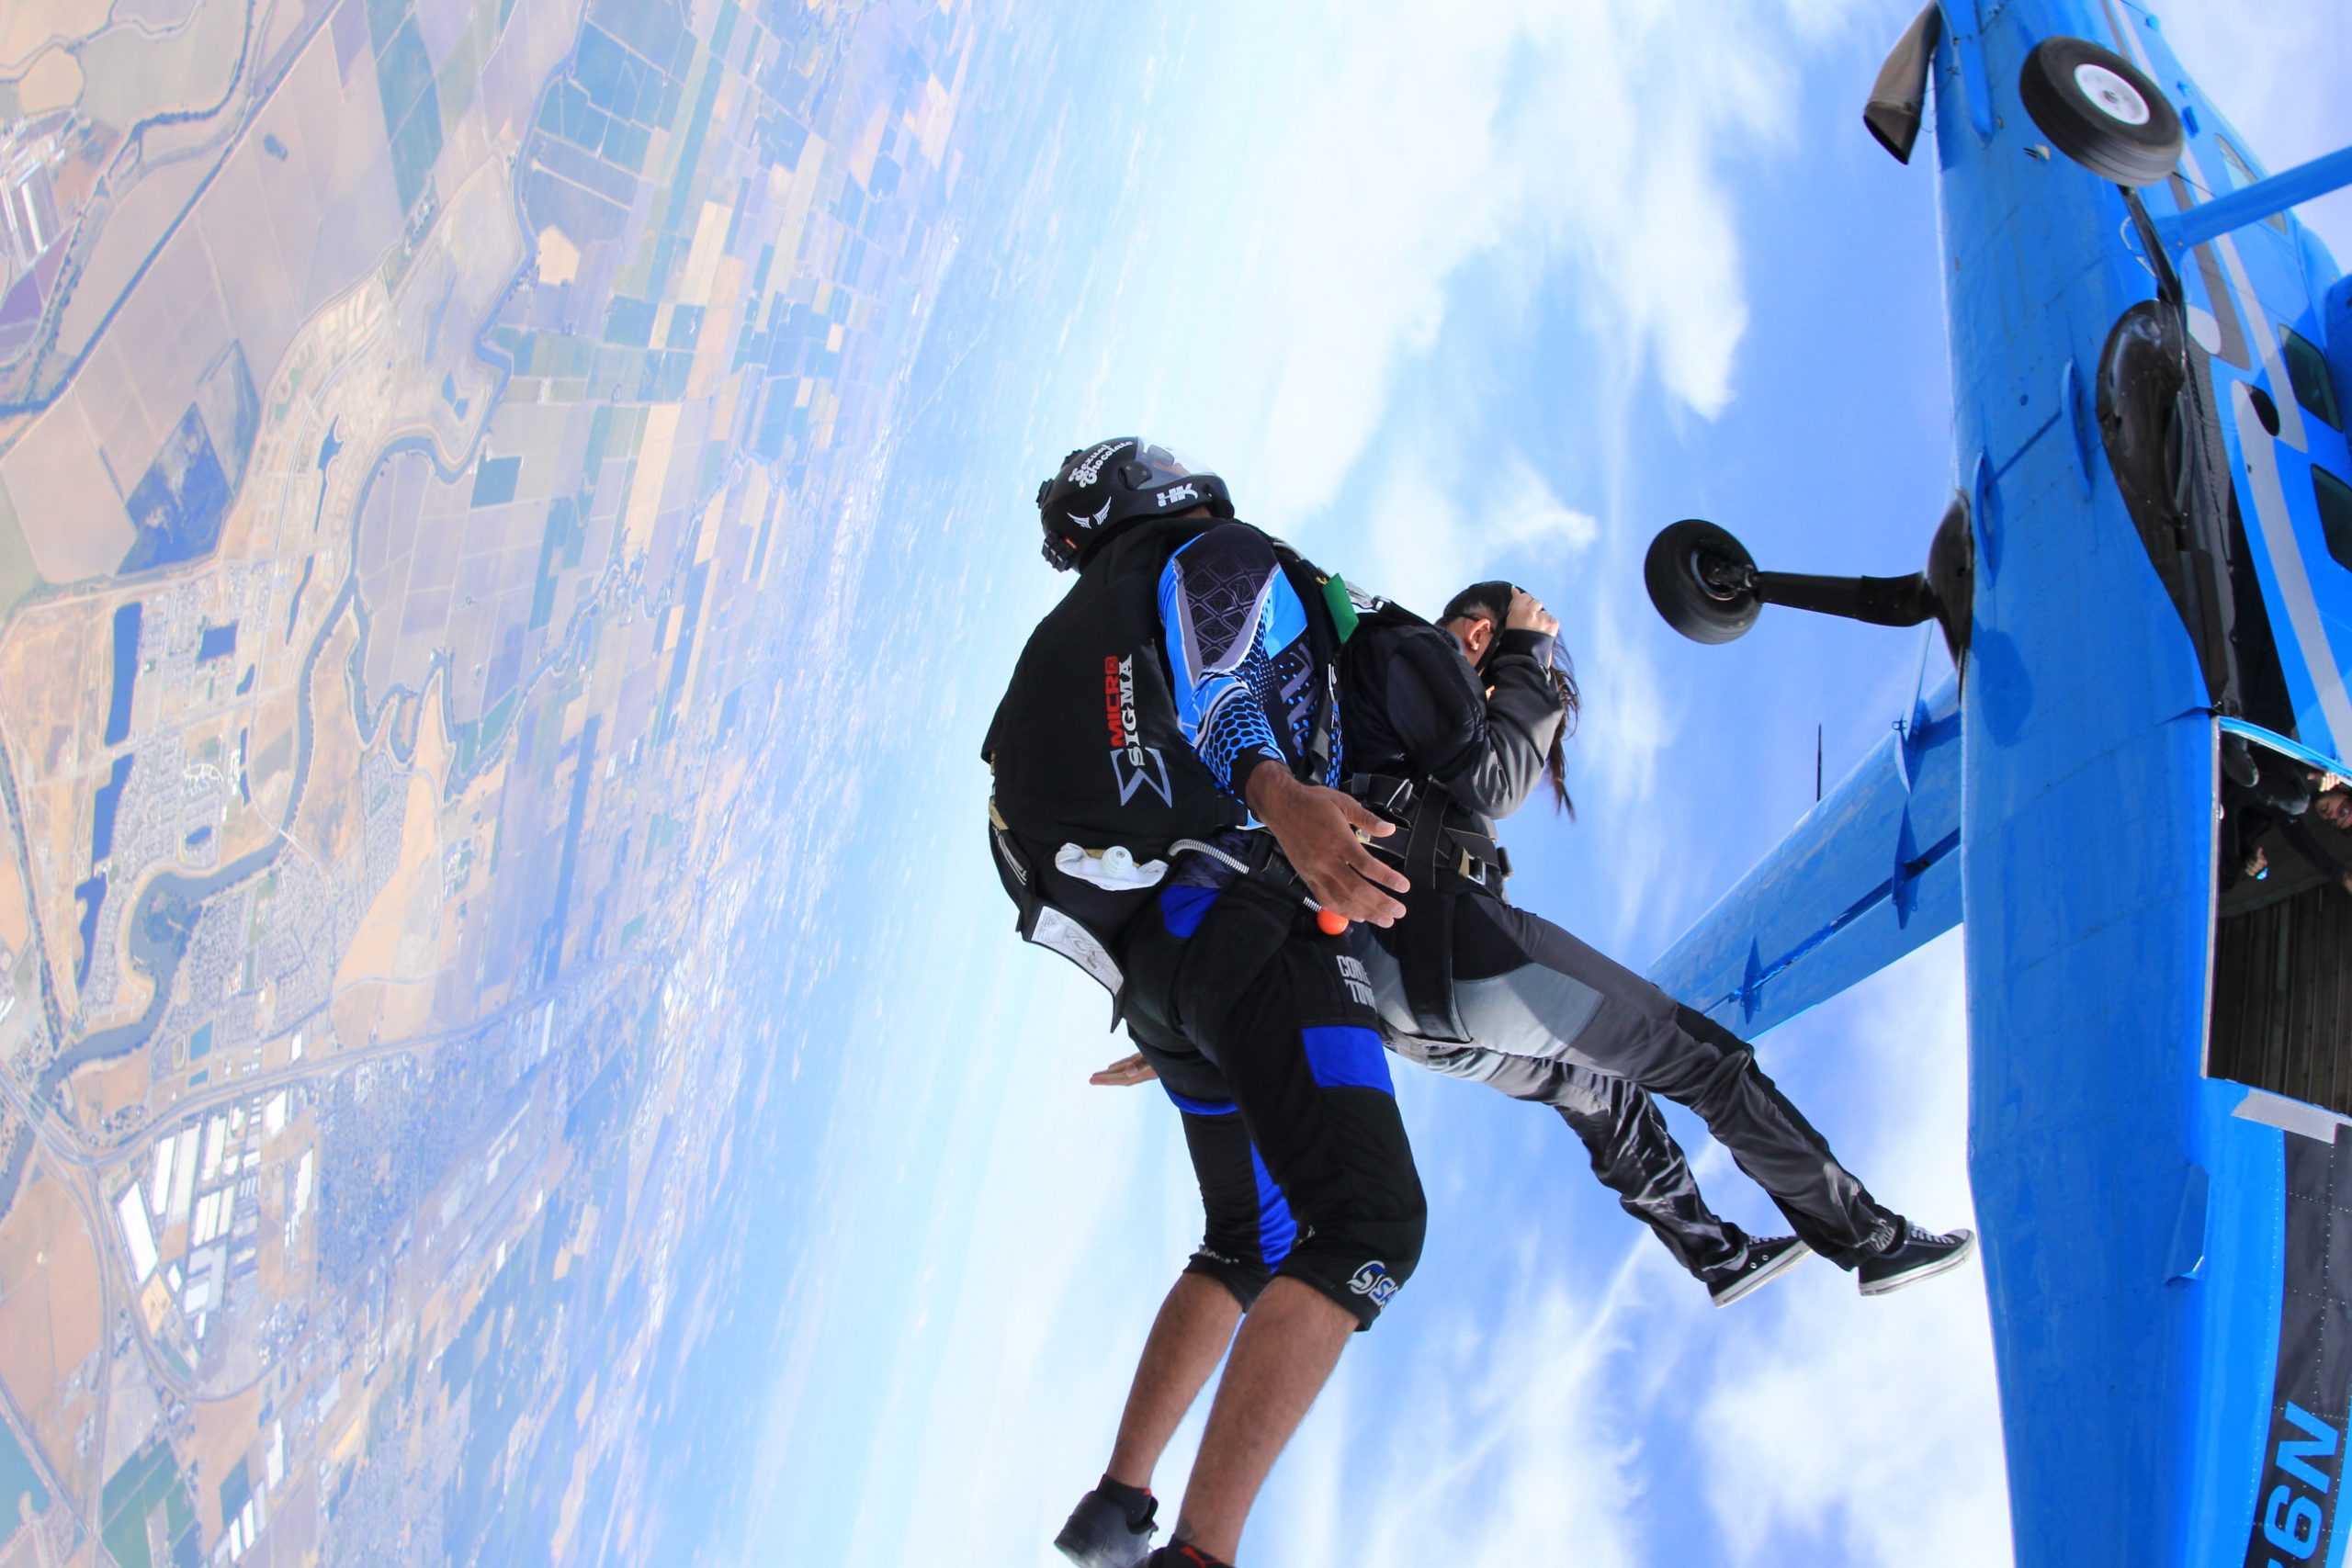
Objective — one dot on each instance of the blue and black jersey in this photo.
(1242, 662)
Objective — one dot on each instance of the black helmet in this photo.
(1107, 484)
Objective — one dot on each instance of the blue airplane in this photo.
(2145, 582)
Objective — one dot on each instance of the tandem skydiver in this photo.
(1456, 725)
(1181, 841)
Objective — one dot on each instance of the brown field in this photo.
(332, 814)
(47, 705)
(269, 749)
(132, 233)
(53, 673)
(575, 1491)
(104, 1087)
(291, 1538)
(362, 1014)
(23, 26)
(174, 329)
(18, 576)
(128, 413)
(399, 939)
(652, 464)
(73, 520)
(54, 81)
(131, 75)
(56, 849)
(48, 1311)
(15, 921)
(226, 1430)
(559, 258)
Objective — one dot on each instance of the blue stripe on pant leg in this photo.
(1182, 909)
(1276, 1229)
(1202, 1107)
(1347, 1056)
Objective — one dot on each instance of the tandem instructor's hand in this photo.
(1124, 1073)
(1317, 829)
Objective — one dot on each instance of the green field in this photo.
(146, 1478)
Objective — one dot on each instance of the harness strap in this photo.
(1425, 955)
(1444, 861)
(1470, 857)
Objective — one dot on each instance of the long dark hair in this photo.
(1490, 600)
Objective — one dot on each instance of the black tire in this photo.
(1687, 563)
(2101, 110)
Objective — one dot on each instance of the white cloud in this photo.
(1306, 247)
(1523, 514)
(1630, 719)
(1432, 530)
(1523, 1444)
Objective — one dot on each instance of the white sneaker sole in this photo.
(1944, 1265)
(1749, 1284)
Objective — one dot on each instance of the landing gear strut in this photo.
(1707, 586)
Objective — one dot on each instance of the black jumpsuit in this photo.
(1551, 1020)
(1260, 1026)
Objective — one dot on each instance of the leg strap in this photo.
(1425, 958)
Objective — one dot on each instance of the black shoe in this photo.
(1102, 1534)
(1919, 1254)
(1768, 1257)
(1183, 1554)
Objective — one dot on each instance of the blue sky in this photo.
(1499, 297)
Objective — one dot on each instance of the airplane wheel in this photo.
(2101, 111)
(1702, 581)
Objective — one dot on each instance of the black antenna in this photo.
(1816, 765)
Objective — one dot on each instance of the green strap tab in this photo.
(1342, 607)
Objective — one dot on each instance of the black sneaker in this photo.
(1768, 1257)
(1919, 1254)
(1102, 1534)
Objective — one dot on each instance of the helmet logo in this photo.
(1090, 469)
(1182, 492)
(1083, 521)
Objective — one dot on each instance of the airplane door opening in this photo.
(2282, 987)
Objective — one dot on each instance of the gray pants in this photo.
(1555, 1022)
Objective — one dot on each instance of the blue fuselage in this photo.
(2142, 1231)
